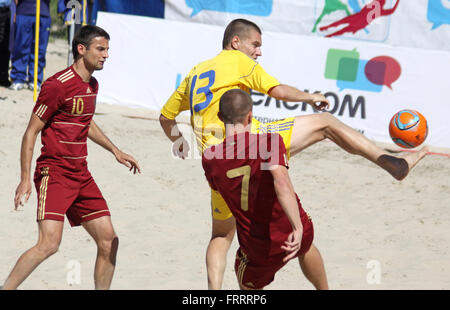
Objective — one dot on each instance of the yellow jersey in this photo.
(202, 88)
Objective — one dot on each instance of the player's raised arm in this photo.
(286, 196)
(292, 94)
(97, 135)
(35, 126)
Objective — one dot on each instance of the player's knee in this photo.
(108, 246)
(329, 124)
(327, 118)
(47, 248)
(314, 122)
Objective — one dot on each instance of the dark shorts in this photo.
(75, 195)
(255, 273)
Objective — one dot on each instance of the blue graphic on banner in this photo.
(361, 82)
(250, 7)
(438, 12)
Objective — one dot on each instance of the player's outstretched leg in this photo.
(309, 129)
(102, 231)
(313, 268)
(50, 234)
(216, 254)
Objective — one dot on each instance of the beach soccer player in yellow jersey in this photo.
(236, 67)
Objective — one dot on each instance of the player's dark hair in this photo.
(234, 106)
(84, 37)
(238, 27)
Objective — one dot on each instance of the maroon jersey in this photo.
(239, 169)
(67, 104)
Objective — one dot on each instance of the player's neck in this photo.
(80, 68)
(231, 130)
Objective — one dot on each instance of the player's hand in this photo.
(128, 161)
(320, 102)
(292, 244)
(24, 188)
(180, 148)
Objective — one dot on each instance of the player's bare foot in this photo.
(415, 157)
(400, 167)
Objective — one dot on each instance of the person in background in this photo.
(73, 11)
(5, 19)
(22, 58)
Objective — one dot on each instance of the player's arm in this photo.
(50, 97)
(177, 103)
(97, 135)
(258, 79)
(286, 196)
(291, 94)
(180, 145)
(35, 126)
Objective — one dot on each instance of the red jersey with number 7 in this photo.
(67, 104)
(239, 169)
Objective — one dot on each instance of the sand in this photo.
(373, 231)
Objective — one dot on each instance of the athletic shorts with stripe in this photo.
(219, 208)
(256, 273)
(75, 195)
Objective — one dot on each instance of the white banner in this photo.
(366, 83)
(417, 23)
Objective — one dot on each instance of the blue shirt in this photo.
(28, 7)
(5, 3)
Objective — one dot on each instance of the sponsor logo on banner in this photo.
(438, 12)
(355, 19)
(352, 72)
(249, 7)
